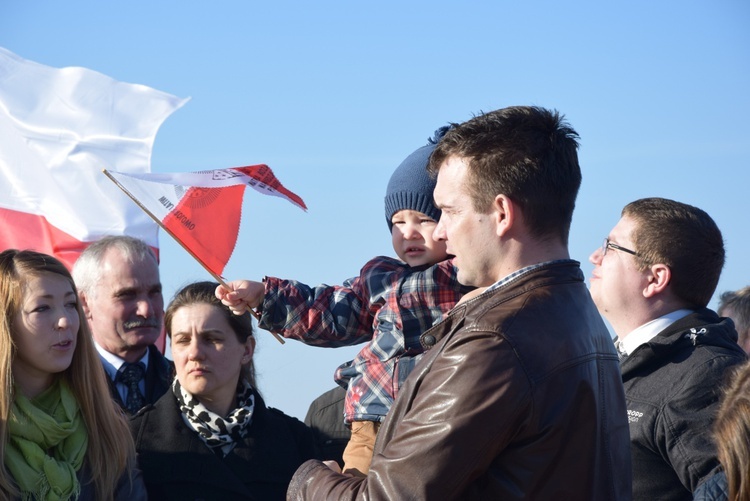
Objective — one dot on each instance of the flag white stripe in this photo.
(58, 129)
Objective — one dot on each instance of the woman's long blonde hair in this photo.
(732, 433)
(110, 450)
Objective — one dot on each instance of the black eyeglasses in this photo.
(609, 245)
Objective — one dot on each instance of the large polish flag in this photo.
(58, 129)
(202, 210)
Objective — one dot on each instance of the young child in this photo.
(389, 305)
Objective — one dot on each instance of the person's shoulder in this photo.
(380, 273)
(282, 417)
(330, 398)
(154, 413)
(276, 417)
(164, 366)
(383, 263)
(137, 420)
(713, 345)
(154, 353)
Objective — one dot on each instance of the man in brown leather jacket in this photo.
(519, 395)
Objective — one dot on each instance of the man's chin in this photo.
(465, 278)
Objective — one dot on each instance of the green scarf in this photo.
(47, 444)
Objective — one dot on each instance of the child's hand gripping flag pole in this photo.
(188, 206)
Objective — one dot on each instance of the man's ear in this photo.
(504, 212)
(84, 305)
(659, 277)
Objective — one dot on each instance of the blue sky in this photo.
(333, 95)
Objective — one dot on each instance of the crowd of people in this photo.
(487, 370)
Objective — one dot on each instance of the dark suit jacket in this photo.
(177, 465)
(159, 376)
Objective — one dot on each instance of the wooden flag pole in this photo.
(214, 275)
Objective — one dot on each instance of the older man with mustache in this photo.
(121, 294)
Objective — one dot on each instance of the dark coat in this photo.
(177, 465)
(520, 397)
(325, 417)
(673, 389)
(129, 488)
(159, 376)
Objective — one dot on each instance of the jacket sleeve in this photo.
(683, 434)
(713, 489)
(329, 315)
(472, 399)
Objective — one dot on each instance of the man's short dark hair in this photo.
(528, 154)
(683, 237)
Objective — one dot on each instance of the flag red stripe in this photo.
(22, 231)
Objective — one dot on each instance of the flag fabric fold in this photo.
(59, 127)
(202, 210)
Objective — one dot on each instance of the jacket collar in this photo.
(550, 273)
(162, 424)
(703, 327)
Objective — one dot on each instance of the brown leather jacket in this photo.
(519, 398)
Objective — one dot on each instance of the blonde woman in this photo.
(732, 437)
(61, 435)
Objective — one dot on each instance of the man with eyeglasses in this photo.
(652, 280)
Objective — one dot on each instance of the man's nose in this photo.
(438, 233)
(145, 308)
(596, 257)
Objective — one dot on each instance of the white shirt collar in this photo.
(649, 330)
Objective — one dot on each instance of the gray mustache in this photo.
(135, 324)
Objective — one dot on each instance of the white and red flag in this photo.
(59, 127)
(202, 210)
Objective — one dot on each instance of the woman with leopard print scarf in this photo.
(212, 436)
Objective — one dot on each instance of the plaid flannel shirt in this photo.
(388, 305)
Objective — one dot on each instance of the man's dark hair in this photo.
(527, 153)
(683, 237)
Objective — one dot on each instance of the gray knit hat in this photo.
(411, 186)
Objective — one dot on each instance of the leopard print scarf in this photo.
(219, 433)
